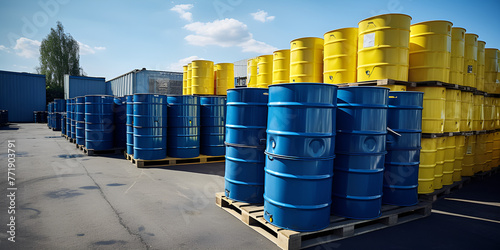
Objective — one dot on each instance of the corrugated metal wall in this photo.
(146, 81)
(82, 85)
(21, 94)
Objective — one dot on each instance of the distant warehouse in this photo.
(146, 81)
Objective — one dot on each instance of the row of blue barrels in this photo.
(158, 126)
(40, 116)
(54, 112)
(300, 182)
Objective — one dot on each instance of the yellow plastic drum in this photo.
(478, 113)
(224, 78)
(264, 71)
(453, 108)
(430, 51)
(491, 69)
(457, 56)
(496, 149)
(470, 60)
(252, 73)
(489, 123)
(466, 111)
(202, 77)
(427, 166)
(383, 47)
(449, 160)
(306, 60)
(189, 90)
(459, 157)
(480, 65)
(480, 155)
(339, 60)
(281, 66)
(489, 152)
(440, 157)
(433, 115)
(184, 79)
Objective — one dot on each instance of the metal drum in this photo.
(120, 117)
(80, 120)
(189, 82)
(49, 116)
(183, 126)
(433, 115)
(403, 149)
(306, 60)
(427, 168)
(492, 57)
(224, 78)
(457, 55)
(63, 124)
(98, 122)
(470, 60)
(184, 80)
(73, 120)
(252, 73)
(264, 71)
(300, 152)
(360, 151)
(130, 124)
(470, 151)
(481, 60)
(202, 77)
(449, 160)
(281, 66)
(340, 54)
(478, 112)
(459, 157)
(150, 126)
(212, 121)
(245, 143)
(466, 111)
(68, 117)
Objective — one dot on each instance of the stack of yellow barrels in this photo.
(202, 77)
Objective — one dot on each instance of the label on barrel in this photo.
(369, 40)
(469, 150)
(469, 68)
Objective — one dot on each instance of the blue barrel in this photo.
(360, 150)
(73, 121)
(212, 121)
(403, 151)
(300, 152)
(130, 124)
(63, 124)
(183, 126)
(49, 116)
(99, 122)
(59, 105)
(150, 126)
(68, 117)
(245, 144)
(120, 119)
(79, 117)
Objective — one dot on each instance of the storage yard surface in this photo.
(67, 200)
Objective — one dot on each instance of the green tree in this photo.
(59, 55)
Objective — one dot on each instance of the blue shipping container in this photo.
(83, 85)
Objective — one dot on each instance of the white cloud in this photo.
(87, 50)
(177, 66)
(262, 16)
(99, 48)
(3, 48)
(27, 48)
(225, 33)
(182, 9)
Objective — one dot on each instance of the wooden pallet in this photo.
(382, 82)
(485, 174)
(445, 190)
(91, 152)
(467, 88)
(171, 161)
(129, 157)
(435, 84)
(339, 228)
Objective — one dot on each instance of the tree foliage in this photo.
(59, 55)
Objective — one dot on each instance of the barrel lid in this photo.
(347, 28)
(224, 64)
(309, 37)
(201, 61)
(471, 34)
(303, 83)
(457, 28)
(400, 14)
(433, 21)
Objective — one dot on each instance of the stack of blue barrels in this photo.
(99, 122)
(183, 126)
(73, 121)
(58, 109)
(63, 124)
(129, 99)
(49, 115)
(68, 117)
(79, 117)
(212, 125)
(120, 117)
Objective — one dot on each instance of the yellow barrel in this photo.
(281, 66)
(224, 77)
(383, 47)
(264, 71)
(449, 160)
(189, 90)
(457, 55)
(184, 79)
(489, 123)
(470, 60)
(459, 157)
(496, 149)
(433, 115)
(339, 60)
(430, 51)
(453, 109)
(306, 60)
(427, 166)
(468, 161)
(496, 112)
(480, 65)
(480, 154)
(497, 85)
(202, 77)
(252, 73)
(466, 111)
(438, 172)
(478, 113)
(489, 152)
(490, 69)
(396, 87)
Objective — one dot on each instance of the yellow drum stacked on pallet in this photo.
(453, 109)
(470, 150)
(281, 66)
(438, 172)
(496, 115)
(489, 122)
(306, 60)
(466, 111)
(459, 157)
(184, 79)
(252, 73)
(457, 55)
(430, 51)
(383, 47)
(426, 169)
(480, 154)
(340, 55)
(264, 71)
(491, 69)
(489, 152)
(470, 63)
(202, 77)
(480, 65)
(478, 113)
(189, 90)
(224, 78)
(433, 115)
(496, 149)
(449, 160)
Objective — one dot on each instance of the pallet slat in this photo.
(171, 161)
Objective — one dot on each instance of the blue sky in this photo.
(118, 36)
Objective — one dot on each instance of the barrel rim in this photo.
(303, 83)
(233, 89)
(433, 21)
(490, 49)
(481, 41)
(459, 28)
(224, 63)
(376, 87)
(346, 28)
(281, 50)
(307, 37)
(472, 34)
(202, 61)
(400, 14)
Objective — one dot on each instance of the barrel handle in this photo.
(270, 157)
(392, 131)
